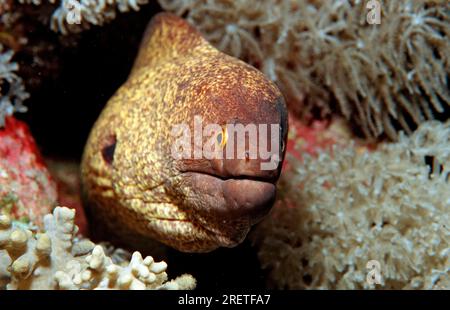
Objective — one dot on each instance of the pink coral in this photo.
(26, 188)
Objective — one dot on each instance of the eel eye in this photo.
(109, 149)
(222, 138)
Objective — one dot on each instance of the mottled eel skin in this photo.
(132, 184)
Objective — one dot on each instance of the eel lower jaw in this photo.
(228, 207)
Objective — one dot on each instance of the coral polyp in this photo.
(12, 90)
(326, 56)
(346, 206)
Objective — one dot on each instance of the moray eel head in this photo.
(188, 150)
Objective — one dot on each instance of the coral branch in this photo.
(56, 259)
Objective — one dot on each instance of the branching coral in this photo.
(324, 54)
(56, 259)
(12, 91)
(346, 207)
(76, 15)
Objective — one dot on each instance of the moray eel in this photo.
(133, 184)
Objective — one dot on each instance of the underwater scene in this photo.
(219, 144)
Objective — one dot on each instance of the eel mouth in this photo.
(227, 207)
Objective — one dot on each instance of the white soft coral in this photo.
(346, 207)
(76, 15)
(12, 90)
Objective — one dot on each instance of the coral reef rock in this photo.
(27, 191)
(347, 206)
(56, 259)
(326, 55)
(316, 137)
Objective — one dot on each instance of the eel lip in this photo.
(228, 207)
(248, 197)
